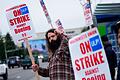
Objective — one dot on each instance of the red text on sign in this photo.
(17, 13)
(85, 47)
(92, 33)
(96, 77)
(87, 11)
(91, 71)
(24, 34)
(21, 25)
(18, 20)
(78, 38)
(22, 29)
(89, 61)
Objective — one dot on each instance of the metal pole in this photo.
(90, 5)
(51, 25)
(5, 50)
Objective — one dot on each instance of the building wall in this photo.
(70, 32)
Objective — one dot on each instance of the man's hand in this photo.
(35, 67)
(59, 31)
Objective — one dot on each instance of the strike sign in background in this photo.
(87, 12)
(88, 57)
(19, 21)
(21, 26)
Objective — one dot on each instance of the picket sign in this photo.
(20, 24)
(46, 13)
(59, 26)
(88, 56)
(87, 11)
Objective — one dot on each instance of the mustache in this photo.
(54, 44)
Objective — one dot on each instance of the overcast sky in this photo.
(70, 12)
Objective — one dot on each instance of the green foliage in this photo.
(7, 45)
(9, 42)
(24, 52)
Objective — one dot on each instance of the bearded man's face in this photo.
(54, 40)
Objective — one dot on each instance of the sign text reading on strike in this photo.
(89, 61)
(18, 20)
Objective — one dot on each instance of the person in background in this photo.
(60, 65)
(111, 56)
(118, 40)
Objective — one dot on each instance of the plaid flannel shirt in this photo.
(60, 65)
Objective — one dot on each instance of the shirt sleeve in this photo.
(64, 44)
(63, 50)
(43, 72)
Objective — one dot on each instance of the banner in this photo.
(45, 11)
(88, 57)
(20, 22)
(59, 25)
(87, 12)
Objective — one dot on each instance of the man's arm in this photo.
(43, 72)
(64, 44)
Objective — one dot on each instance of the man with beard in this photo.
(60, 66)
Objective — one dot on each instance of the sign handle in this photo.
(31, 57)
(51, 25)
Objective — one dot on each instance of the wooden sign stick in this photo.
(31, 57)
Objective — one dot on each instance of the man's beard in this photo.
(54, 45)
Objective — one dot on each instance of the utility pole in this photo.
(4, 41)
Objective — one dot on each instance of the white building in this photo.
(70, 32)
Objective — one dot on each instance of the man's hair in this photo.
(47, 40)
(50, 30)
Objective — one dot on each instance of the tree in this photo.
(8, 48)
(10, 45)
